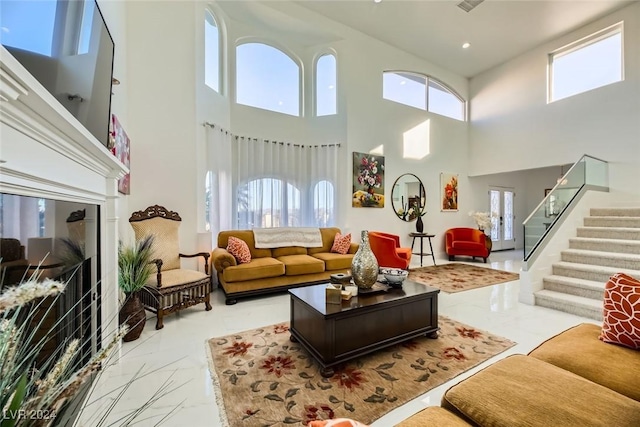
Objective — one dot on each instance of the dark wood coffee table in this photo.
(335, 333)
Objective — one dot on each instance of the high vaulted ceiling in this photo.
(497, 30)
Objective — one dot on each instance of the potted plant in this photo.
(134, 269)
(418, 212)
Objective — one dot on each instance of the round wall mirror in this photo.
(408, 197)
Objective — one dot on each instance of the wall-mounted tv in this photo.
(66, 46)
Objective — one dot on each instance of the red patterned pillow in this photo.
(621, 323)
(341, 244)
(239, 249)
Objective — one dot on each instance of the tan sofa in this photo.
(274, 270)
(572, 379)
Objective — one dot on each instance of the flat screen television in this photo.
(67, 47)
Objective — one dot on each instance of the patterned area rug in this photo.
(458, 277)
(263, 379)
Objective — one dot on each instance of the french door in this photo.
(502, 217)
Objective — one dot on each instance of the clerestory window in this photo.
(267, 78)
(211, 52)
(586, 64)
(423, 92)
(326, 89)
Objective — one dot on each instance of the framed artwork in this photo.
(449, 192)
(368, 181)
(121, 151)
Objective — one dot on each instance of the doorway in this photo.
(502, 217)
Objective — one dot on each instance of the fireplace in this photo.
(48, 159)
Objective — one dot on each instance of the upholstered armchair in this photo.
(13, 264)
(466, 241)
(172, 288)
(386, 247)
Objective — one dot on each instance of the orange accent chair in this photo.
(466, 241)
(386, 248)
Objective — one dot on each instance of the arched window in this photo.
(267, 78)
(211, 52)
(423, 92)
(268, 202)
(323, 204)
(326, 88)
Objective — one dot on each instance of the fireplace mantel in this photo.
(46, 152)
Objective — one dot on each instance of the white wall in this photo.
(510, 115)
(512, 128)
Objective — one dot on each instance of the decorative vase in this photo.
(364, 267)
(132, 313)
(419, 224)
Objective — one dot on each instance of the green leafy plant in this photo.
(135, 265)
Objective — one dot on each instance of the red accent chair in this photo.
(466, 241)
(386, 248)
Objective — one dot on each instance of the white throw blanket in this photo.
(287, 236)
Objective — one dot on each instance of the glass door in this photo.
(502, 218)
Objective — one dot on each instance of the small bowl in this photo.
(394, 276)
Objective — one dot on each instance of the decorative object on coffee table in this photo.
(364, 266)
(394, 276)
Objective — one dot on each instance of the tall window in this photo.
(326, 85)
(267, 78)
(423, 92)
(323, 204)
(211, 52)
(590, 63)
(268, 202)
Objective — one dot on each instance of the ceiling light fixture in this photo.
(377, 1)
(466, 45)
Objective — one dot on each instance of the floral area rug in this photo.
(263, 379)
(458, 277)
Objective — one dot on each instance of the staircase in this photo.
(608, 243)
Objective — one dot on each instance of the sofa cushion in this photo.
(295, 265)
(334, 261)
(341, 244)
(258, 268)
(175, 277)
(246, 236)
(579, 350)
(239, 249)
(524, 391)
(288, 250)
(328, 235)
(433, 416)
(621, 312)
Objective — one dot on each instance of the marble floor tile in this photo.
(177, 353)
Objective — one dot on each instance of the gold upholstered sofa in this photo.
(572, 379)
(276, 269)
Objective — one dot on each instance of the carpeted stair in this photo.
(608, 243)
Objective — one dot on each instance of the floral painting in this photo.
(368, 181)
(121, 151)
(449, 189)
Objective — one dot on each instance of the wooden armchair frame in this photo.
(164, 300)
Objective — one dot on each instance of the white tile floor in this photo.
(178, 352)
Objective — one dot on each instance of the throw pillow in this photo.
(621, 312)
(341, 244)
(239, 249)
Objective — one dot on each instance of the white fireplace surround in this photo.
(46, 152)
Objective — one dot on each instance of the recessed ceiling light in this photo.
(330, 86)
(377, 1)
(466, 45)
(403, 82)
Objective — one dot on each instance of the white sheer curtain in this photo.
(280, 184)
(218, 187)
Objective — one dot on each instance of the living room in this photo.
(512, 138)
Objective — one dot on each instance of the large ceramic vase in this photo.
(132, 314)
(364, 267)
